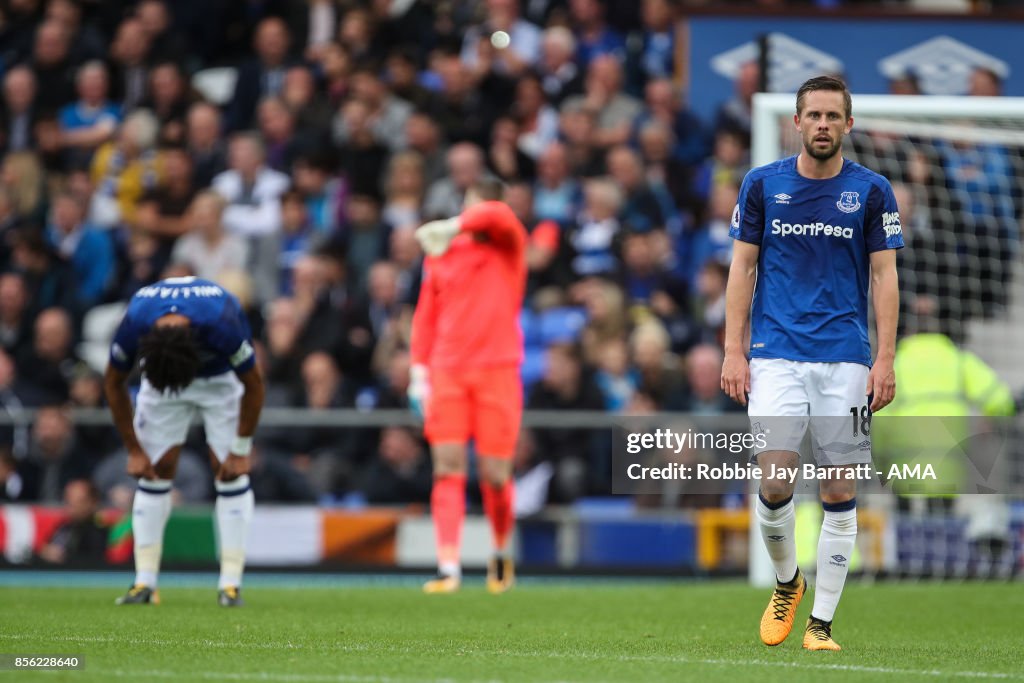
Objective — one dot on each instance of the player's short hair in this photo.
(488, 189)
(824, 83)
(170, 357)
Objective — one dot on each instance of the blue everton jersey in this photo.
(811, 298)
(215, 316)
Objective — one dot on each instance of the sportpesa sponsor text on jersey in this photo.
(816, 237)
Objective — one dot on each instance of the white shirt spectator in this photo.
(253, 210)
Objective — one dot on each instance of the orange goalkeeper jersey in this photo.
(468, 312)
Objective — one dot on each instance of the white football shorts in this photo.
(162, 419)
(786, 396)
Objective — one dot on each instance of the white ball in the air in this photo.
(500, 40)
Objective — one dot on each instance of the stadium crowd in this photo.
(298, 187)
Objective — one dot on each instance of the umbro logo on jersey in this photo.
(839, 559)
(776, 538)
(782, 198)
(864, 445)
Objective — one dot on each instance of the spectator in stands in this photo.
(165, 42)
(664, 103)
(19, 112)
(402, 77)
(22, 175)
(566, 386)
(192, 480)
(546, 269)
(129, 54)
(727, 165)
(49, 280)
(660, 371)
(124, 170)
(593, 238)
(556, 195)
(52, 64)
(282, 141)
(366, 240)
(512, 60)
(658, 54)
(578, 130)
(734, 114)
(161, 211)
(82, 536)
(362, 158)
(91, 120)
(537, 119)
(89, 251)
(15, 324)
(985, 82)
(263, 75)
(324, 194)
(533, 477)
(14, 437)
(614, 377)
(594, 37)
(401, 472)
(319, 452)
(298, 238)
(54, 458)
(606, 316)
(404, 189)
(275, 480)
(464, 112)
(666, 173)
(465, 169)
(12, 485)
(387, 114)
(205, 145)
(252, 189)
(86, 40)
(169, 97)
(335, 64)
(643, 208)
(603, 97)
(710, 240)
(208, 250)
(405, 253)
(424, 137)
(710, 304)
(560, 74)
(504, 157)
(312, 111)
(704, 374)
(51, 362)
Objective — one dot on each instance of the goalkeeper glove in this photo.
(419, 389)
(435, 236)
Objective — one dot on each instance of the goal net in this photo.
(957, 169)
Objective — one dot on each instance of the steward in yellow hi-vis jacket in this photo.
(939, 388)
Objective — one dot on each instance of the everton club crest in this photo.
(848, 202)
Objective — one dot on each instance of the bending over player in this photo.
(813, 230)
(196, 353)
(466, 351)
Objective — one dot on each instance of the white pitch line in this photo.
(360, 647)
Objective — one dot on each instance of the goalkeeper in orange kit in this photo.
(467, 347)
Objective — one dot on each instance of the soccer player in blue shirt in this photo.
(813, 231)
(195, 349)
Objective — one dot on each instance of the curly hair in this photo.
(170, 357)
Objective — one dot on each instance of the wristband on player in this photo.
(242, 445)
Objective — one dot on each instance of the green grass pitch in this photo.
(565, 630)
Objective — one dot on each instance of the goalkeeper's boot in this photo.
(777, 621)
(230, 596)
(139, 594)
(501, 574)
(443, 583)
(818, 636)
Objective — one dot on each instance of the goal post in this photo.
(958, 162)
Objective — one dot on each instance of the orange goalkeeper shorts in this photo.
(485, 404)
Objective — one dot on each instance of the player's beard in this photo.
(823, 154)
